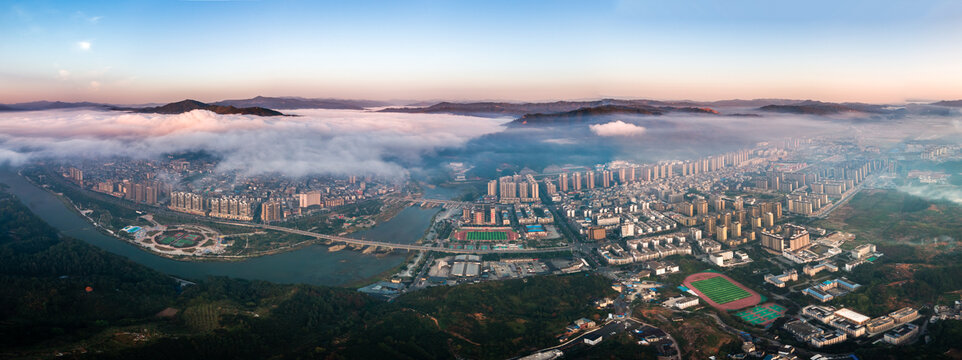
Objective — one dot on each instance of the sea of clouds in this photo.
(336, 142)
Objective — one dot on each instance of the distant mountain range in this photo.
(50, 105)
(588, 114)
(264, 102)
(518, 109)
(263, 105)
(809, 107)
(190, 105)
(301, 103)
(558, 107)
(951, 103)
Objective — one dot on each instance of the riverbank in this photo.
(392, 208)
(308, 264)
(382, 276)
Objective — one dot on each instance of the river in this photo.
(309, 265)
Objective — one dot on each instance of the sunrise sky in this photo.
(159, 51)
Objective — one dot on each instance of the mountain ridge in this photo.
(293, 102)
(188, 105)
(584, 115)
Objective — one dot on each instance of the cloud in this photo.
(934, 192)
(95, 85)
(560, 141)
(84, 45)
(338, 142)
(90, 19)
(63, 74)
(617, 128)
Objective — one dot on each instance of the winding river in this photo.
(310, 265)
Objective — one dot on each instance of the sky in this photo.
(160, 51)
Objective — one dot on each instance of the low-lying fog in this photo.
(342, 142)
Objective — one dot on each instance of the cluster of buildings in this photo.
(832, 178)
(514, 189)
(786, 237)
(625, 173)
(815, 253)
(150, 192)
(644, 249)
(577, 326)
(633, 288)
(812, 270)
(232, 208)
(192, 186)
(452, 270)
(953, 312)
(814, 335)
(624, 222)
(74, 174)
(729, 258)
(680, 302)
(517, 221)
(529, 214)
(827, 290)
(485, 215)
(860, 255)
(228, 207)
(782, 279)
(838, 325)
(466, 266)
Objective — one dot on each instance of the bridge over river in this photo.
(390, 245)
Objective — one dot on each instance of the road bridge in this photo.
(390, 245)
(436, 201)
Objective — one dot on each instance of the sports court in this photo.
(487, 235)
(761, 315)
(179, 239)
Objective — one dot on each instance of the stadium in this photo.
(485, 234)
(721, 292)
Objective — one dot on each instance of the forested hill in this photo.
(56, 288)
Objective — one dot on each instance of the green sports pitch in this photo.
(762, 314)
(487, 235)
(720, 290)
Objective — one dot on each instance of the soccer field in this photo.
(720, 290)
(487, 235)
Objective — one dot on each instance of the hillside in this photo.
(588, 114)
(300, 103)
(809, 107)
(181, 107)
